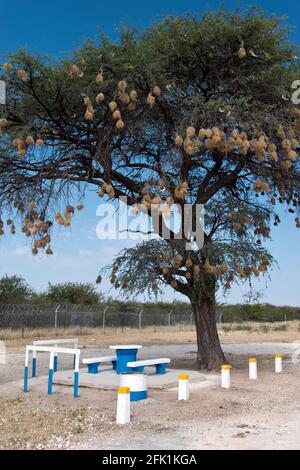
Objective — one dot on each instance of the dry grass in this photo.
(229, 333)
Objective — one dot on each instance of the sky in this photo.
(57, 27)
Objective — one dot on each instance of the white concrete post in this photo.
(183, 387)
(123, 405)
(169, 319)
(225, 376)
(140, 319)
(252, 368)
(103, 319)
(278, 363)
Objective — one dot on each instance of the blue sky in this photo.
(55, 28)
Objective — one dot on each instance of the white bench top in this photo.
(149, 362)
(55, 341)
(126, 346)
(92, 360)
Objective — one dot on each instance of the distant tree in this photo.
(14, 289)
(73, 293)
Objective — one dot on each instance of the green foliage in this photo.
(73, 293)
(14, 289)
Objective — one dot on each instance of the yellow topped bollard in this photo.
(183, 387)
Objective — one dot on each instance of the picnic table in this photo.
(125, 353)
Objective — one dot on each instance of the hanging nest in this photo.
(124, 97)
(89, 114)
(133, 95)
(154, 286)
(181, 191)
(112, 106)
(79, 207)
(116, 114)
(189, 263)
(174, 284)
(29, 140)
(39, 142)
(131, 106)
(176, 262)
(242, 52)
(100, 98)
(49, 251)
(3, 123)
(110, 191)
(69, 211)
(150, 100)
(34, 251)
(179, 140)
(98, 279)
(156, 91)
(7, 66)
(165, 270)
(190, 132)
(22, 75)
(99, 78)
(120, 124)
(281, 133)
(122, 85)
(74, 71)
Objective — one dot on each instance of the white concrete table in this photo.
(125, 353)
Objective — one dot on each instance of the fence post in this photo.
(170, 313)
(55, 319)
(140, 319)
(103, 320)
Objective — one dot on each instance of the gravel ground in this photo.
(251, 415)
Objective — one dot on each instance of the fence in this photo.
(57, 317)
(19, 318)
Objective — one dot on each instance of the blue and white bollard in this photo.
(26, 371)
(50, 375)
(137, 383)
(55, 368)
(76, 374)
(33, 364)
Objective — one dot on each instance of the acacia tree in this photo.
(194, 110)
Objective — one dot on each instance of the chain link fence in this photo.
(27, 317)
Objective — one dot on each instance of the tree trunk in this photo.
(209, 354)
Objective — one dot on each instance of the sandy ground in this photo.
(262, 414)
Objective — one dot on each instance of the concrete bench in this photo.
(160, 364)
(93, 363)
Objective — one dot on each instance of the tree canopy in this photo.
(195, 109)
(14, 289)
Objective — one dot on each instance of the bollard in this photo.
(33, 364)
(26, 371)
(278, 363)
(183, 387)
(123, 405)
(50, 374)
(252, 368)
(225, 376)
(76, 374)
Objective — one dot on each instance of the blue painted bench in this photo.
(93, 363)
(160, 364)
